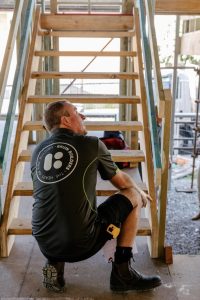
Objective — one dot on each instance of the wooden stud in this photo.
(165, 168)
(145, 140)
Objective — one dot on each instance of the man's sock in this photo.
(123, 254)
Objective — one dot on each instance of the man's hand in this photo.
(145, 198)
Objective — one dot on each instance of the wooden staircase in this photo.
(55, 25)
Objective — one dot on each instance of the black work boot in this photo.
(53, 276)
(124, 278)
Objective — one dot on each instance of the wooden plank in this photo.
(5, 66)
(104, 188)
(84, 99)
(84, 75)
(117, 155)
(190, 43)
(93, 125)
(155, 59)
(21, 226)
(86, 53)
(162, 208)
(18, 77)
(147, 57)
(87, 34)
(86, 22)
(11, 205)
(178, 7)
(145, 140)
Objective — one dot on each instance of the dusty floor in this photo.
(20, 276)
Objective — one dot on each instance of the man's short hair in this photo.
(53, 113)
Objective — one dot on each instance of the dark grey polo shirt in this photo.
(64, 172)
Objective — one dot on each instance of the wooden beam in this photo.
(89, 34)
(93, 125)
(117, 155)
(86, 22)
(84, 99)
(104, 188)
(86, 53)
(21, 226)
(84, 75)
(165, 169)
(190, 43)
(182, 7)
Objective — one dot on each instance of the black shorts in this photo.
(114, 211)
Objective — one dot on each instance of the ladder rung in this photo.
(86, 53)
(93, 126)
(117, 156)
(90, 34)
(84, 99)
(21, 226)
(85, 75)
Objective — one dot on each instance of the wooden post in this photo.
(165, 168)
(38, 111)
(55, 60)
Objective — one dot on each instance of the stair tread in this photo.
(85, 53)
(20, 226)
(93, 125)
(89, 75)
(104, 187)
(117, 155)
(87, 33)
(84, 99)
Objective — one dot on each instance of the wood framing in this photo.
(182, 7)
(145, 140)
(165, 167)
(86, 22)
(21, 140)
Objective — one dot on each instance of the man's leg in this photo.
(123, 276)
(129, 226)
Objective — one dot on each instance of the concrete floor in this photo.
(20, 273)
(20, 276)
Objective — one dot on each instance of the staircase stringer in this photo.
(11, 205)
(145, 139)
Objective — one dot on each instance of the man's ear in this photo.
(65, 120)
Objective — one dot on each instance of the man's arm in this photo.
(123, 181)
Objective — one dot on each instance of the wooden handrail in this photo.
(149, 92)
(155, 59)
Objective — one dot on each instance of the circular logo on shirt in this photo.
(56, 162)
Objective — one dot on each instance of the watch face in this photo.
(56, 162)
